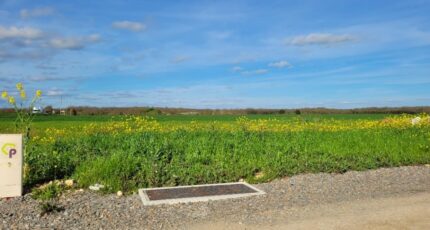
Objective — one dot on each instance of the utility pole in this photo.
(62, 111)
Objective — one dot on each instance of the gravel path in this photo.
(286, 199)
(400, 212)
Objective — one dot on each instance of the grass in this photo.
(127, 160)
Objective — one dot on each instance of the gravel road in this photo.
(301, 202)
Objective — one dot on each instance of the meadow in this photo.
(127, 152)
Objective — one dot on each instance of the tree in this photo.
(73, 111)
(48, 109)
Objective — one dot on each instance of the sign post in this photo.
(11, 160)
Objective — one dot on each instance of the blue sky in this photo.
(218, 54)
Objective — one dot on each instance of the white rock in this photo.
(119, 193)
(96, 187)
(69, 183)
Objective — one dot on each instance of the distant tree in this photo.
(282, 111)
(73, 111)
(251, 111)
(298, 112)
(48, 109)
(153, 112)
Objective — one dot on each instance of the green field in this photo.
(57, 121)
(125, 153)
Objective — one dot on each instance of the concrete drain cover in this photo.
(196, 193)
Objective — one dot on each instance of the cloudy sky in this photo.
(218, 54)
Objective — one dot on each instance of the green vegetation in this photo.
(59, 121)
(47, 196)
(126, 160)
(180, 158)
(48, 192)
(49, 207)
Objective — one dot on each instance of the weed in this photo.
(48, 195)
(47, 207)
(51, 191)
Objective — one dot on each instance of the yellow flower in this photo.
(12, 100)
(38, 93)
(19, 86)
(4, 95)
(23, 95)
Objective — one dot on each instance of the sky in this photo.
(218, 54)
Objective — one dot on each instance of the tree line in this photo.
(80, 110)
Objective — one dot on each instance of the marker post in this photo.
(11, 161)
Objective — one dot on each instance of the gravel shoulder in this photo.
(389, 198)
(400, 212)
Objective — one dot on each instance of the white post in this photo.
(11, 161)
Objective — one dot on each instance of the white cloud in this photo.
(180, 59)
(219, 35)
(28, 43)
(129, 25)
(55, 92)
(320, 39)
(20, 54)
(36, 12)
(73, 43)
(236, 69)
(255, 72)
(20, 33)
(67, 43)
(93, 38)
(280, 64)
(49, 78)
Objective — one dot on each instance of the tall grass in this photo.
(148, 159)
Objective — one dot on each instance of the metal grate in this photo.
(196, 193)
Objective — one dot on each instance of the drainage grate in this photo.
(195, 193)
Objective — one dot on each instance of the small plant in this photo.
(49, 207)
(50, 191)
(23, 110)
(48, 197)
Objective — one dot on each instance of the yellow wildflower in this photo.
(19, 86)
(39, 93)
(12, 100)
(23, 95)
(4, 95)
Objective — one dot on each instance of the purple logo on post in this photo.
(9, 149)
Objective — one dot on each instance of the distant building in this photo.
(37, 110)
